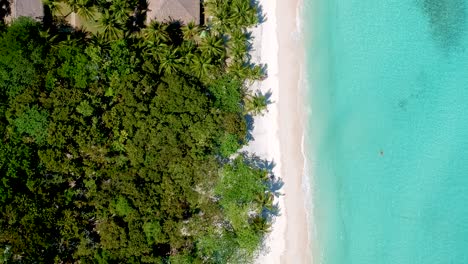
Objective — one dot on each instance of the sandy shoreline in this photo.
(292, 117)
(278, 134)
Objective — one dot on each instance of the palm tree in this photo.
(212, 7)
(238, 46)
(98, 40)
(255, 72)
(191, 31)
(238, 51)
(239, 35)
(238, 69)
(157, 32)
(201, 66)
(187, 50)
(256, 103)
(260, 224)
(243, 13)
(53, 5)
(219, 14)
(169, 61)
(155, 51)
(84, 8)
(110, 26)
(265, 199)
(49, 38)
(213, 47)
(69, 41)
(121, 10)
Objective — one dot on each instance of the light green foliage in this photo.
(240, 183)
(227, 93)
(239, 187)
(122, 207)
(34, 123)
(85, 109)
(152, 231)
(109, 92)
(229, 145)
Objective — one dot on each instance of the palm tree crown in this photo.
(110, 26)
(213, 46)
(157, 32)
(84, 8)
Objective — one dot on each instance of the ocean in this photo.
(387, 131)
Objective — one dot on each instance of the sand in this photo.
(278, 134)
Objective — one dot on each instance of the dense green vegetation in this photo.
(117, 145)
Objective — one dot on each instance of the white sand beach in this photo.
(278, 134)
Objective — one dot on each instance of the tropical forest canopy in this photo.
(121, 144)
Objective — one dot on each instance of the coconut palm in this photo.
(243, 13)
(238, 45)
(238, 51)
(191, 31)
(69, 41)
(265, 199)
(99, 41)
(255, 72)
(49, 38)
(187, 47)
(237, 69)
(53, 5)
(187, 50)
(201, 66)
(169, 61)
(84, 8)
(155, 51)
(110, 26)
(213, 47)
(218, 13)
(256, 103)
(212, 7)
(156, 32)
(260, 224)
(121, 10)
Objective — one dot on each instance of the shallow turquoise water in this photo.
(388, 130)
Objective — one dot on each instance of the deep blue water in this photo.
(388, 130)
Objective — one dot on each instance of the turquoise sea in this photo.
(388, 130)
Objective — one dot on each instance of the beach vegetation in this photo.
(121, 144)
(256, 103)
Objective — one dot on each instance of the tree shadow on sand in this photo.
(260, 14)
(249, 118)
(274, 185)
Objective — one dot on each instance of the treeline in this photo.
(117, 145)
